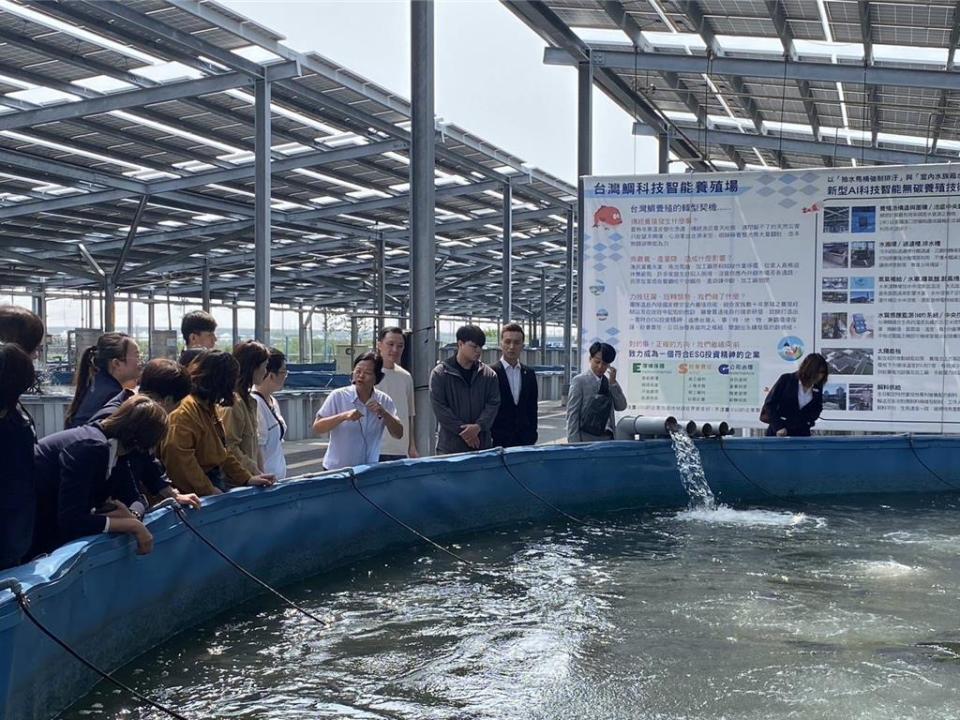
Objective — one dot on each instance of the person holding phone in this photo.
(594, 396)
(356, 415)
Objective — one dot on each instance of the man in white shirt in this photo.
(398, 384)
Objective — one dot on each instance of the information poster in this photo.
(710, 286)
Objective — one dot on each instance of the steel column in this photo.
(381, 284)
(302, 337)
(326, 333)
(151, 322)
(354, 337)
(543, 316)
(40, 310)
(663, 153)
(568, 314)
(235, 330)
(261, 227)
(205, 285)
(584, 168)
(422, 239)
(506, 281)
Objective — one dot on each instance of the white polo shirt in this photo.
(354, 442)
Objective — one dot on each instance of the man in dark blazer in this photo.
(516, 421)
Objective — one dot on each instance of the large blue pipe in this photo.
(112, 605)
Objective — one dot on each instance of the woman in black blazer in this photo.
(73, 472)
(794, 403)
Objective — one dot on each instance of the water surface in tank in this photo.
(824, 611)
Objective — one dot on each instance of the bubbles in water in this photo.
(723, 515)
(881, 569)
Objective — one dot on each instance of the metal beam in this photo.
(68, 269)
(162, 187)
(131, 236)
(135, 98)
(779, 18)
(555, 31)
(323, 67)
(163, 34)
(622, 57)
(886, 156)
(139, 272)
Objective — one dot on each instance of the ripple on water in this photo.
(880, 569)
(746, 614)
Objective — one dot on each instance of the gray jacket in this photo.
(583, 388)
(455, 403)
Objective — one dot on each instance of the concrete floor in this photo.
(305, 457)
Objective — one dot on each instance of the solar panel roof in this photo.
(127, 128)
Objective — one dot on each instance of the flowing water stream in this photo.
(691, 471)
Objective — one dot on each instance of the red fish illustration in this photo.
(816, 207)
(606, 215)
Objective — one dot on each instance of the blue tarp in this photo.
(112, 605)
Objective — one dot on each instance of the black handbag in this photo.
(596, 414)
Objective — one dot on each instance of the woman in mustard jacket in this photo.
(194, 451)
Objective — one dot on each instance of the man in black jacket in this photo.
(516, 422)
(464, 396)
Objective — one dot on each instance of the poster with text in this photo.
(710, 286)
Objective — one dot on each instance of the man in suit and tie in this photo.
(516, 421)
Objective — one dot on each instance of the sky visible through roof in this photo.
(490, 80)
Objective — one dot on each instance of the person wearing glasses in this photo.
(105, 369)
(465, 395)
(271, 427)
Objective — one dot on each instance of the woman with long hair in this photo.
(272, 426)
(17, 440)
(795, 402)
(103, 372)
(194, 450)
(74, 473)
(240, 421)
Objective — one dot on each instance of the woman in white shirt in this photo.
(272, 427)
(356, 415)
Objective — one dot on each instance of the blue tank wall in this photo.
(112, 605)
